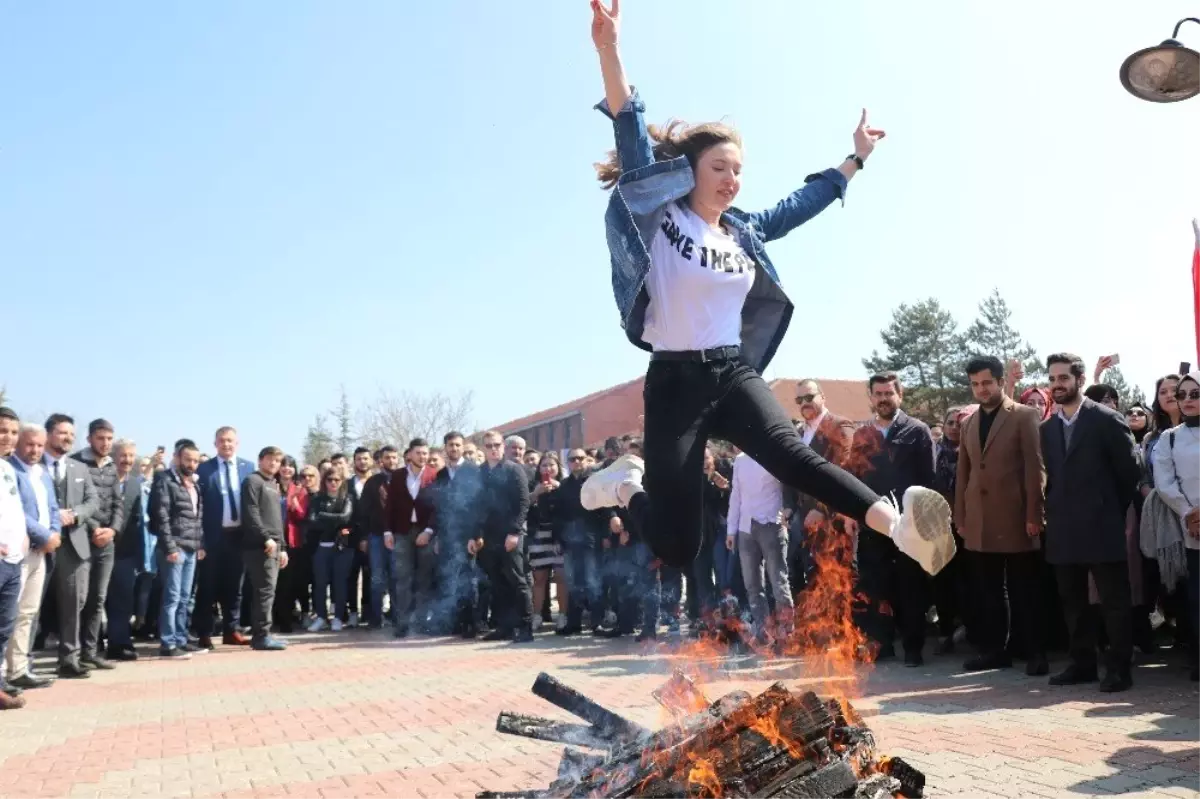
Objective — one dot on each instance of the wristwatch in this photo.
(857, 161)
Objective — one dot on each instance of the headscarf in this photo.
(1194, 379)
(1045, 394)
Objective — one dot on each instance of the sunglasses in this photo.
(1139, 414)
(577, 458)
(1194, 394)
(497, 445)
(803, 398)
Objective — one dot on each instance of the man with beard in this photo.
(372, 522)
(103, 526)
(890, 454)
(456, 494)
(358, 594)
(1091, 477)
(177, 503)
(998, 507)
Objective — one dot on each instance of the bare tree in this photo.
(398, 417)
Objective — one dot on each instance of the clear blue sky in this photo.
(218, 212)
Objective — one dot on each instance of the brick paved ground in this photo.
(358, 714)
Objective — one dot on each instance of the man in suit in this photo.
(409, 535)
(222, 570)
(499, 542)
(829, 435)
(102, 527)
(456, 493)
(890, 454)
(999, 492)
(129, 552)
(78, 503)
(1091, 477)
(43, 528)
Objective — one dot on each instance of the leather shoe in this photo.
(96, 662)
(268, 644)
(995, 660)
(1116, 680)
(11, 690)
(498, 635)
(72, 671)
(913, 659)
(205, 642)
(124, 653)
(570, 629)
(1074, 675)
(29, 681)
(235, 638)
(1037, 666)
(469, 633)
(523, 636)
(10, 702)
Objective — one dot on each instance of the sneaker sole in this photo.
(931, 521)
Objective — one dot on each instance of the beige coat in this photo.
(1000, 486)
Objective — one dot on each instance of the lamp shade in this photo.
(1167, 73)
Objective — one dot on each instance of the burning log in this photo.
(543, 729)
(777, 744)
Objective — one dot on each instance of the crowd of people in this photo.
(1077, 526)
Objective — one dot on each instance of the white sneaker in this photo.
(337, 625)
(353, 620)
(317, 626)
(613, 486)
(922, 531)
(561, 622)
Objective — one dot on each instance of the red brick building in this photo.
(617, 411)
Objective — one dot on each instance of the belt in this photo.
(730, 353)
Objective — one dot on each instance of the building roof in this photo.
(617, 410)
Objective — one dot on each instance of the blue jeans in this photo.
(383, 579)
(10, 594)
(177, 581)
(121, 603)
(584, 586)
(331, 569)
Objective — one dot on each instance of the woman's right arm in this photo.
(621, 102)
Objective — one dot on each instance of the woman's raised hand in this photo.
(865, 137)
(606, 24)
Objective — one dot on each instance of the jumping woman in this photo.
(694, 286)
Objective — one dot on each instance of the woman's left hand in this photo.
(865, 137)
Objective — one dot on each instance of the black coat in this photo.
(176, 522)
(505, 500)
(893, 464)
(574, 526)
(456, 504)
(129, 542)
(328, 516)
(1089, 486)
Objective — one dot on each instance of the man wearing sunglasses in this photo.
(499, 543)
(1092, 477)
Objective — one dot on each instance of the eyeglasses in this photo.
(1194, 394)
(1139, 414)
(803, 398)
(577, 458)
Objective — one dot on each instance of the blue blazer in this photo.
(39, 535)
(213, 499)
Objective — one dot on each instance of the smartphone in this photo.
(1185, 368)
(1115, 359)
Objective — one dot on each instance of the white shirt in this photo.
(12, 515)
(810, 429)
(698, 281)
(756, 496)
(357, 483)
(1070, 421)
(454, 466)
(234, 495)
(36, 473)
(414, 488)
(1177, 472)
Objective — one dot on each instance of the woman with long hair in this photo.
(694, 285)
(545, 553)
(285, 589)
(329, 524)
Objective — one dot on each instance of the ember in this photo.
(777, 744)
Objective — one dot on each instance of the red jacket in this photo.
(297, 509)
(400, 504)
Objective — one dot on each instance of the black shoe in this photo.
(498, 635)
(885, 653)
(400, 632)
(523, 636)
(945, 646)
(570, 629)
(1115, 681)
(72, 671)
(914, 659)
(123, 653)
(469, 633)
(1037, 666)
(608, 632)
(174, 652)
(11, 690)
(194, 649)
(995, 660)
(1074, 675)
(267, 644)
(30, 681)
(96, 662)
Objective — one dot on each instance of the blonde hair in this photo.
(672, 140)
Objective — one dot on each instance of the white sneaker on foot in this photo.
(922, 531)
(317, 625)
(613, 486)
(337, 625)
(353, 620)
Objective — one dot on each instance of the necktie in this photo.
(233, 513)
(58, 471)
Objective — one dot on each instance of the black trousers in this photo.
(686, 404)
(1017, 577)
(263, 573)
(291, 588)
(361, 568)
(894, 591)
(506, 584)
(1112, 583)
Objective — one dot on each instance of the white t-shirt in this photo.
(698, 282)
(12, 515)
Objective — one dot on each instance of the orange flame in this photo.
(702, 780)
(768, 727)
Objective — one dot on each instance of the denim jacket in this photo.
(635, 213)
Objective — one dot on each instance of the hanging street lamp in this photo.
(1165, 73)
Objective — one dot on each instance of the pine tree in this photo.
(992, 333)
(925, 348)
(1128, 394)
(343, 418)
(318, 441)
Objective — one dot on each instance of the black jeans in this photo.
(219, 580)
(1021, 574)
(1112, 583)
(263, 573)
(361, 568)
(506, 584)
(895, 591)
(686, 404)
